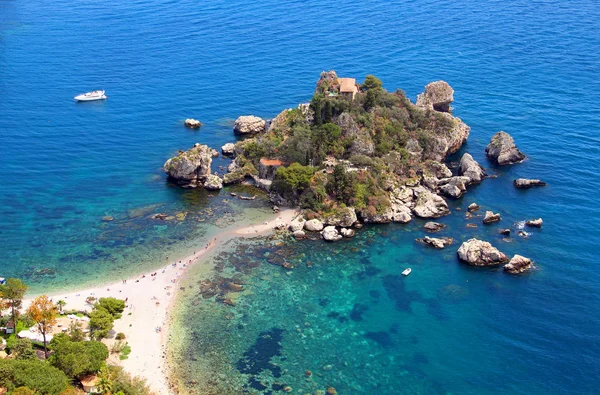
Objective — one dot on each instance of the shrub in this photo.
(120, 336)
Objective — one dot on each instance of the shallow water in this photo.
(529, 68)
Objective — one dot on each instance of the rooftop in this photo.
(348, 85)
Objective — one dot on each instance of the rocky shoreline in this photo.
(411, 181)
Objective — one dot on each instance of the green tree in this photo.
(77, 358)
(34, 374)
(113, 305)
(76, 332)
(342, 185)
(105, 384)
(328, 112)
(101, 322)
(24, 349)
(23, 391)
(317, 107)
(291, 180)
(371, 83)
(43, 312)
(12, 294)
(61, 303)
(127, 384)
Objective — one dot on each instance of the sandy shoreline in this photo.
(149, 298)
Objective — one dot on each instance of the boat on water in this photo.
(90, 96)
(406, 272)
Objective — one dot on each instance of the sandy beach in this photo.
(149, 297)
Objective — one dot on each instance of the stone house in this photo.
(348, 87)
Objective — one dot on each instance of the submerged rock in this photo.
(518, 264)
(502, 150)
(433, 227)
(490, 217)
(480, 253)
(504, 232)
(249, 124)
(524, 183)
(299, 234)
(330, 233)
(470, 168)
(535, 223)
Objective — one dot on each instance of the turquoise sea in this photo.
(530, 68)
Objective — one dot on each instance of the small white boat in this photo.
(406, 272)
(95, 95)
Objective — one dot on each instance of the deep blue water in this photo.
(527, 67)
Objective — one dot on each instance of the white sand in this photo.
(148, 300)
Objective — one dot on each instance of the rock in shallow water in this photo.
(490, 217)
(192, 123)
(330, 233)
(433, 226)
(502, 150)
(249, 124)
(535, 223)
(525, 183)
(470, 168)
(473, 207)
(480, 253)
(436, 242)
(313, 225)
(518, 264)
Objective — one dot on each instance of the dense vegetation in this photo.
(70, 356)
(339, 151)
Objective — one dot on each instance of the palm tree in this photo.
(105, 384)
(61, 303)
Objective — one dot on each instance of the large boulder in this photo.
(535, 223)
(454, 187)
(473, 207)
(433, 227)
(347, 232)
(343, 217)
(524, 183)
(213, 182)
(437, 169)
(480, 253)
(502, 150)
(313, 225)
(429, 205)
(370, 217)
(518, 264)
(191, 166)
(330, 233)
(436, 242)
(192, 123)
(490, 217)
(228, 149)
(470, 168)
(249, 124)
(297, 223)
(401, 213)
(437, 96)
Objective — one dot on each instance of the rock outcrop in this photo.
(213, 182)
(470, 168)
(313, 225)
(362, 143)
(297, 223)
(438, 96)
(454, 187)
(330, 233)
(535, 223)
(480, 253)
(433, 227)
(518, 264)
(228, 149)
(347, 232)
(490, 217)
(249, 124)
(436, 242)
(192, 123)
(524, 183)
(343, 217)
(502, 150)
(429, 205)
(473, 207)
(191, 167)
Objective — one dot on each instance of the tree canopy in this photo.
(12, 293)
(112, 305)
(33, 374)
(101, 322)
(43, 312)
(77, 358)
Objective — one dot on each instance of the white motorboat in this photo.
(95, 95)
(406, 272)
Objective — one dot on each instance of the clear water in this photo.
(530, 68)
